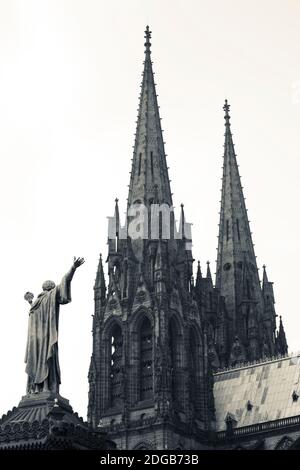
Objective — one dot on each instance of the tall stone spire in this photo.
(100, 285)
(237, 275)
(149, 175)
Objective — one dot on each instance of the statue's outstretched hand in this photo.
(29, 297)
(77, 262)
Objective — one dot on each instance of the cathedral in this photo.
(181, 361)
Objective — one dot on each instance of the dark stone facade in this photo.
(158, 335)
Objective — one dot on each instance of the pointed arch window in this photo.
(115, 378)
(173, 360)
(193, 367)
(151, 158)
(146, 360)
(196, 379)
(175, 352)
(238, 229)
(227, 230)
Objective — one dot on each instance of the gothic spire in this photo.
(182, 222)
(267, 290)
(198, 276)
(117, 217)
(149, 176)
(100, 285)
(209, 281)
(265, 280)
(237, 275)
(282, 346)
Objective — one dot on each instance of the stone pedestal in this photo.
(47, 421)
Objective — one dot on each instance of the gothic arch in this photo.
(284, 443)
(144, 445)
(137, 318)
(176, 359)
(141, 356)
(109, 325)
(112, 352)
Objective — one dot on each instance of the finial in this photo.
(182, 221)
(264, 267)
(208, 273)
(226, 108)
(199, 274)
(147, 43)
(116, 200)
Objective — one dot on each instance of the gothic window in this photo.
(151, 156)
(195, 358)
(227, 230)
(140, 163)
(193, 367)
(174, 361)
(238, 229)
(146, 360)
(116, 366)
(125, 270)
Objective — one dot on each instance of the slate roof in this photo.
(268, 387)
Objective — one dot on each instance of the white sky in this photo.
(69, 81)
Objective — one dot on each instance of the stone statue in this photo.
(41, 356)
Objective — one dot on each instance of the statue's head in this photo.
(48, 285)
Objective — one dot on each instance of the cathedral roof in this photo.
(258, 393)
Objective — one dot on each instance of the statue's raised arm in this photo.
(64, 288)
(41, 357)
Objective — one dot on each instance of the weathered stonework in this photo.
(158, 336)
(46, 421)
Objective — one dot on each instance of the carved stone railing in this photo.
(259, 428)
(266, 360)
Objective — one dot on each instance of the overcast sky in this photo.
(69, 82)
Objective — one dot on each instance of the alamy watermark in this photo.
(153, 223)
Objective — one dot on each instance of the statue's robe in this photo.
(42, 349)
